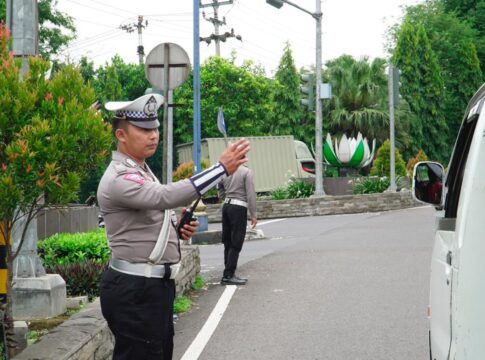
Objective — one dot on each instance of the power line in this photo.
(82, 46)
(217, 22)
(92, 22)
(113, 7)
(270, 23)
(97, 9)
(139, 26)
(94, 38)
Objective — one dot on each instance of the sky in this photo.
(353, 27)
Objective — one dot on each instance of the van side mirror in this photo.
(428, 179)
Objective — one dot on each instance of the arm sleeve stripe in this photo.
(204, 181)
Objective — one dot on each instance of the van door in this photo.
(440, 295)
(468, 295)
(444, 267)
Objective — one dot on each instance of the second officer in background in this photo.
(240, 197)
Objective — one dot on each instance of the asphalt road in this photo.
(330, 287)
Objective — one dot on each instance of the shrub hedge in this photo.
(79, 258)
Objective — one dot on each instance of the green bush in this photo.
(279, 194)
(80, 259)
(371, 185)
(294, 190)
(73, 248)
(300, 189)
(382, 167)
(82, 278)
(199, 283)
(182, 304)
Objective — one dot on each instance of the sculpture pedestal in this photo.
(35, 294)
(38, 298)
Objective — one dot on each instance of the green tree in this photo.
(360, 100)
(288, 111)
(382, 162)
(131, 76)
(359, 94)
(56, 28)
(452, 40)
(86, 68)
(422, 87)
(473, 13)
(243, 96)
(50, 139)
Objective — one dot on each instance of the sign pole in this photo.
(167, 66)
(166, 74)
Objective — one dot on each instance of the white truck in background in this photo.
(273, 159)
(457, 281)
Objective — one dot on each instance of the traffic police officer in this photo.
(238, 190)
(137, 291)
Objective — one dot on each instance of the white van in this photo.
(457, 286)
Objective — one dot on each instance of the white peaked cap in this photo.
(141, 112)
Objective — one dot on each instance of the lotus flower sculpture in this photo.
(350, 152)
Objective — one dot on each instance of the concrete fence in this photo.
(69, 219)
(326, 205)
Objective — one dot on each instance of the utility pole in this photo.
(318, 102)
(216, 36)
(317, 15)
(196, 86)
(23, 20)
(393, 87)
(129, 28)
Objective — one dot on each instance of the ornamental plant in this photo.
(50, 139)
(382, 163)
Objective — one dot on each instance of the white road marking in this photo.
(202, 338)
(270, 221)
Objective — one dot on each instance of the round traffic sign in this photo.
(178, 65)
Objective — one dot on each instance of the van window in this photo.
(457, 165)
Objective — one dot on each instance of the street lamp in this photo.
(317, 15)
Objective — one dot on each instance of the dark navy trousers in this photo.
(139, 312)
(234, 221)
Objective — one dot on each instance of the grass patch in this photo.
(199, 283)
(39, 328)
(182, 304)
(34, 335)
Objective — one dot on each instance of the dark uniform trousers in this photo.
(234, 219)
(139, 312)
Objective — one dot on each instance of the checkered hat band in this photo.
(134, 115)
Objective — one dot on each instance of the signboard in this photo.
(178, 66)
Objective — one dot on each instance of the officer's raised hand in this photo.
(235, 155)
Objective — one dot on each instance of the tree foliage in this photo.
(360, 100)
(472, 12)
(422, 87)
(242, 95)
(382, 163)
(452, 41)
(50, 139)
(359, 90)
(288, 113)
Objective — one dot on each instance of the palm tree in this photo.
(359, 101)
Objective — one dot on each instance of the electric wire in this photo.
(96, 8)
